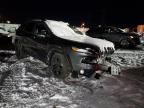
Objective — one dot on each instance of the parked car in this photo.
(7, 31)
(115, 35)
(58, 45)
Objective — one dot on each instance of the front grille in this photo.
(89, 60)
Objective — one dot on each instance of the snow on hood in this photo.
(62, 30)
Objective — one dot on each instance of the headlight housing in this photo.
(79, 50)
(88, 55)
(88, 51)
(131, 37)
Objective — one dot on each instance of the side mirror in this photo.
(43, 32)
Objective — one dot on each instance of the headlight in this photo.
(75, 48)
(87, 51)
(79, 50)
(131, 37)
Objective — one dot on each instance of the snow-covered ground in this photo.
(129, 58)
(27, 83)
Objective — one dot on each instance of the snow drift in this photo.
(27, 84)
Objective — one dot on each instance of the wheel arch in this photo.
(60, 50)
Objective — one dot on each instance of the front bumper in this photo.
(84, 63)
(89, 64)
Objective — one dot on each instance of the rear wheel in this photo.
(60, 66)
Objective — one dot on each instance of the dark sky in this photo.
(73, 11)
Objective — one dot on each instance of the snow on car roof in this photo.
(2, 31)
(62, 30)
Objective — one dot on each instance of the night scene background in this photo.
(24, 83)
(75, 12)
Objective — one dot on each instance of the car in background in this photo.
(115, 35)
(7, 31)
(58, 45)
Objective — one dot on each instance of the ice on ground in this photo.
(60, 98)
(30, 86)
(26, 83)
(128, 58)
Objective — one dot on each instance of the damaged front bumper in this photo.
(87, 62)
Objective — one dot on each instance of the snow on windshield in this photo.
(62, 30)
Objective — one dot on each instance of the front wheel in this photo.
(125, 43)
(60, 66)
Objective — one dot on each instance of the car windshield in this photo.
(114, 29)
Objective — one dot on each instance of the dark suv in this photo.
(64, 50)
(115, 35)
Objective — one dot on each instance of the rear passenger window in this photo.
(29, 27)
(40, 30)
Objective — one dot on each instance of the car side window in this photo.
(40, 30)
(29, 27)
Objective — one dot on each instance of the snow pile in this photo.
(62, 30)
(28, 83)
(3, 32)
(128, 58)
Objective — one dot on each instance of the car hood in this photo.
(62, 30)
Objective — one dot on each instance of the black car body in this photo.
(115, 35)
(45, 41)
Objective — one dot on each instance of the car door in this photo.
(40, 35)
(25, 36)
(32, 41)
(41, 38)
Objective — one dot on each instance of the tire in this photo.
(133, 44)
(20, 53)
(60, 66)
(125, 43)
